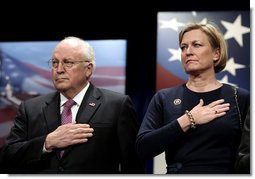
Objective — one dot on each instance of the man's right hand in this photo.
(68, 134)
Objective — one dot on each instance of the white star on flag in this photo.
(176, 54)
(235, 30)
(231, 66)
(172, 24)
(204, 21)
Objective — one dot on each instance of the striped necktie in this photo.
(66, 116)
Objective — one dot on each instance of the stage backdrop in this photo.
(24, 73)
(235, 26)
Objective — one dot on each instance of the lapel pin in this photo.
(177, 101)
(92, 104)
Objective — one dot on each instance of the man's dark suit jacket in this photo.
(110, 150)
(242, 164)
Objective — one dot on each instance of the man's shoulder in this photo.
(108, 92)
(99, 91)
(41, 98)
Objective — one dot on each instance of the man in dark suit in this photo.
(99, 140)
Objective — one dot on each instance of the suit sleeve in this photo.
(19, 150)
(242, 164)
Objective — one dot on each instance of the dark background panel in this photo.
(91, 20)
(134, 21)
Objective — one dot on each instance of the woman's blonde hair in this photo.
(215, 38)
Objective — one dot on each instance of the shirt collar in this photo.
(78, 98)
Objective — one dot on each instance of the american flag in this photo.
(235, 26)
(24, 73)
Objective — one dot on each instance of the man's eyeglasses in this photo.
(65, 63)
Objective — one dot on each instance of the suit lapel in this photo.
(51, 112)
(89, 105)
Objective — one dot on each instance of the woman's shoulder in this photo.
(171, 90)
(240, 91)
(241, 95)
(169, 93)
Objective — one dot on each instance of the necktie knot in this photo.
(69, 103)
